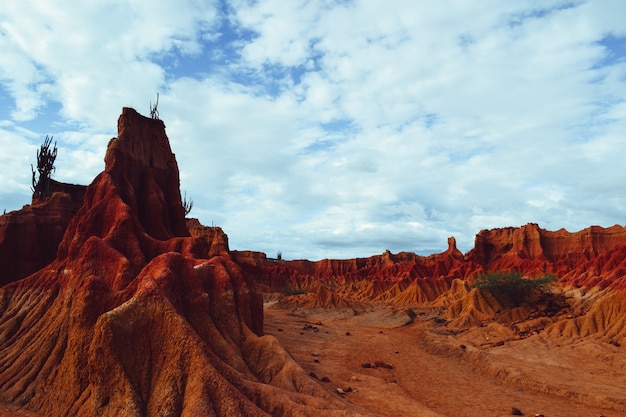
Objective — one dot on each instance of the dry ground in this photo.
(481, 371)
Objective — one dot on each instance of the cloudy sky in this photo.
(334, 129)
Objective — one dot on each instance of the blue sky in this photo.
(334, 129)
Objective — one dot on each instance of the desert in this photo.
(114, 303)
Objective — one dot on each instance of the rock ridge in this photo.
(136, 317)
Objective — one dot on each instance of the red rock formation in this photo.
(29, 237)
(593, 257)
(274, 275)
(215, 238)
(74, 191)
(134, 317)
(402, 278)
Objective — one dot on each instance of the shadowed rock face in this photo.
(136, 317)
(29, 237)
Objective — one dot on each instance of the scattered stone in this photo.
(516, 412)
(539, 415)
(500, 343)
(313, 375)
(463, 347)
(311, 328)
(340, 391)
(380, 332)
(316, 360)
(614, 342)
(315, 353)
(347, 333)
(367, 365)
(382, 364)
(325, 379)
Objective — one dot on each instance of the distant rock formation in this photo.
(592, 260)
(592, 257)
(135, 317)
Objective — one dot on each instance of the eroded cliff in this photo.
(134, 316)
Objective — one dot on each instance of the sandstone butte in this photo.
(113, 304)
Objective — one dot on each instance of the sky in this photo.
(334, 129)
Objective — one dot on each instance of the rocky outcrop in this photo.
(136, 317)
(76, 193)
(401, 278)
(592, 260)
(214, 237)
(274, 275)
(29, 237)
(592, 257)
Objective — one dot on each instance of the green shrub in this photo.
(511, 288)
(293, 291)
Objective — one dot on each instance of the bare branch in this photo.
(154, 112)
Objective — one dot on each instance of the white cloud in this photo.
(93, 56)
(340, 129)
(15, 160)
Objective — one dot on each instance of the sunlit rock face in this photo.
(135, 316)
(592, 257)
(591, 261)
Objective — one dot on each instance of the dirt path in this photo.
(421, 383)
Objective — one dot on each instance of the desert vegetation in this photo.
(187, 204)
(45, 167)
(512, 288)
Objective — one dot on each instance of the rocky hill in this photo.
(135, 316)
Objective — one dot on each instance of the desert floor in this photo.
(480, 371)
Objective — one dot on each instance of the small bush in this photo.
(511, 288)
(293, 291)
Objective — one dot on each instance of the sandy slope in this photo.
(482, 371)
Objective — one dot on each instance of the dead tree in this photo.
(45, 168)
(154, 112)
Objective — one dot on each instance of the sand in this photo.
(435, 371)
